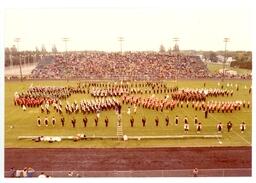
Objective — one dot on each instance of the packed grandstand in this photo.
(122, 66)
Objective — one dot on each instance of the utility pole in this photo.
(17, 40)
(226, 40)
(121, 39)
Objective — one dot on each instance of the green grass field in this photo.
(25, 122)
(214, 68)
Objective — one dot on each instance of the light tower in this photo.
(226, 40)
(176, 46)
(65, 39)
(175, 49)
(121, 39)
(17, 40)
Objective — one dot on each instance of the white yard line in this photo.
(242, 138)
(234, 131)
(220, 142)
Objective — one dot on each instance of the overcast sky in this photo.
(143, 28)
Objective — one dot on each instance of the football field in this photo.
(23, 123)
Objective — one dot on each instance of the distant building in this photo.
(220, 58)
(201, 57)
(228, 72)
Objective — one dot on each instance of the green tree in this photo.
(162, 49)
(54, 49)
(37, 50)
(43, 50)
(13, 49)
(213, 57)
(176, 48)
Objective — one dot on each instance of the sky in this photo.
(142, 27)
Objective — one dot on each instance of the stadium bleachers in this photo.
(138, 66)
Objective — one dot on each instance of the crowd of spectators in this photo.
(25, 172)
(137, 66)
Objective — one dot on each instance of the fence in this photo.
(236, 172)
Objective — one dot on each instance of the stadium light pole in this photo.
(176, 39)
(226, 40)
(65, 39)
(121, 39)
(17, 40)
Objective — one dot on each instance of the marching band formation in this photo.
(109, 96)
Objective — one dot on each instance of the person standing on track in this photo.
(195, 172)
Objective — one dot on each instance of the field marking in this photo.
(240, 135)
(242, 138)
(234, 131)
(220, 142)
